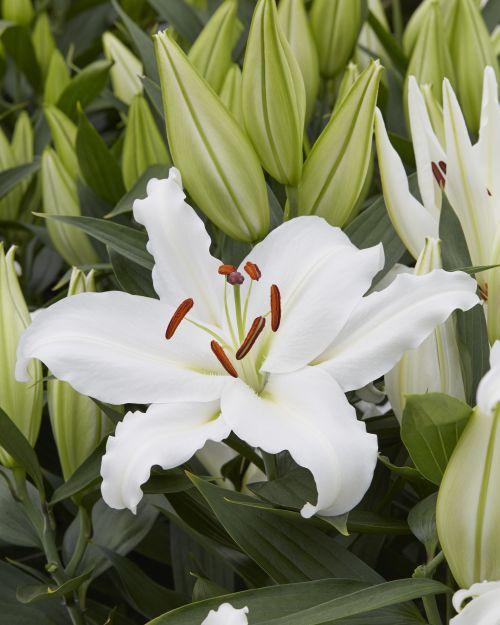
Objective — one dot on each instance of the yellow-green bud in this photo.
(212, 50)
(9, 205)
(274, 98)
(350, 76)
(57, 80)
(60, 198)
(21, 401)
(77, 423)
(230, 93)
(18, 11)
(295, 24)
(63, 132)
(219, 166)
(335, 26)
(23, 145)
(43, 42)
(471, 51)
(143, 144)
(336, 168)
(126, 70)
(495, 41)
(369, 41)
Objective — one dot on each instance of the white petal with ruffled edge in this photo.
(484, 609)
(112, 346)
(321, 277)
(166, 435)
(180, 245)
(389, 322)
(226, 615)
(306, 413)
(412, 221)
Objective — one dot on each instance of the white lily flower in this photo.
(267, 358)
(484, 609)
(226, 615)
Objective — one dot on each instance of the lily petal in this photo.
(180, 246)
(307, 413)
(112, 346)
(166, 435)
(411, 220)
(488, 391)
(488, 146)
(321, 276)
(484, 607)
(389, 322)
(226, 615)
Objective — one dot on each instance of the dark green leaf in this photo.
(181, 16)
(389, 42)
(32, 593)
(131, 277)
(10, 178)
(404, 148)
(84, 87)
(18, 44)
(422, 522)
(172, 481)
(15, 526)
(206, 589)
(138, 191)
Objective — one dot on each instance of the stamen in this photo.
(178, 316)
(442, 164)
(252, 270)
(438, 175)
(223, 359)
(235, 277)
(275, 308)
(253, 334)
(225, 270)
(483, 292)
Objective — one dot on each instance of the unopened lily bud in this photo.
(468, 506)
(77, 423)
(471, 51)
(369, 45)
(60, 198)
(57, 79)
(18, 11)
(212, 50)
(43, 42)
(21, 401)
(274, 98)
(350, 76)
(335, 26)
(22, 139)
(9, 205)
(143, 144)
(63, 132)
(230, 94)
(220, 168)
(126, 70)
(495, 41)
(434, 366)
(295, 24)
(336, 168)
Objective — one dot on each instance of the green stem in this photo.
(81, 543)
(397, 20)
(292, 209)
(431, 610)
(239, 316)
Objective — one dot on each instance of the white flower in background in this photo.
(484, 607)
(268, 356)
(226, 615)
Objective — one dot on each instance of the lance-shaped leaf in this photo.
(127, 69)
(336, 168)
(273, 96)
(219, 167)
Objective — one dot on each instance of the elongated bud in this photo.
(77, 423)
(60, 198)
(335, 26)
(219, 166)
(212, 50)
(18, 11)
(23, 146)
(63, 132)
(414, 27)
(350, 76)
(230, 93)
(57, 78)
(295, 24)
(495, 41)
(143, 145)
(126, 70)
(434, 366)
(336, 168)
(369, 45)
(43, 42)
(468, 506)
(9, 205)
(471, 51)
(21, 401)
(273, 96)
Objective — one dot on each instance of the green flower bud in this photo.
(126, 71)
(369, 41)
(335, 26)
(495, 41)
(21, 401)
(18, 11)
(57, 80)
(63, 132)
(471, 51)
(211, 52)
(77, 423)
(43, 42)
(274, 98)
(336, 168)
(60, 198)
(143, 144)
(295, 24)
(350, 76)
(23, 145)
(9, 205)
(219, 167)
(230, 94)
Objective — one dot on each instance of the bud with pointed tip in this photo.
(43, 42)
(21, 401)
(220, 168)
(369, 45)
(57, 78)
(18, 11)
(10, 203)
(273, 96)
(230, 93)
(126, 70)
(63, 132)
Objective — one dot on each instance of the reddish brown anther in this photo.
(225, 270)
(438, 175)
(252, 270)
(223, 359)
(275, 308)
(442, 164)
(178, 316)
(253, 334)
(483, 292)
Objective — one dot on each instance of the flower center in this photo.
(237, 356)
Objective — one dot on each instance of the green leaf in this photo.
(181, 16)
(98, 166)
(15, 443)
(131, 277)
(430, 429)
(138, 191)
(172, 481)
(389, 42)
(84, 87)
(422, 522)
(32, 593)
(15, 526)
(10, 178)
(410, 474)
(18, 44)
